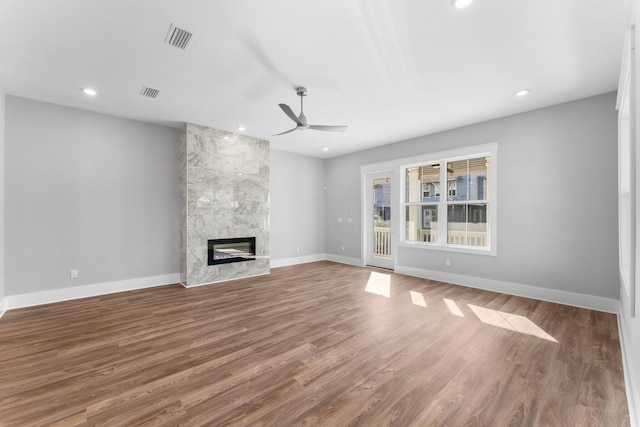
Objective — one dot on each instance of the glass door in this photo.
(380, 230)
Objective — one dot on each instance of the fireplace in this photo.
(223, 251)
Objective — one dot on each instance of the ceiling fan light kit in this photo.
(301, 119)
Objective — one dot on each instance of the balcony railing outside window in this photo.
(382, 242)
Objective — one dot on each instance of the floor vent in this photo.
(178, 37)
(150, 92)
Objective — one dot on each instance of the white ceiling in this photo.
(390, 69)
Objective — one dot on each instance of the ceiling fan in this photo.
(301, 120)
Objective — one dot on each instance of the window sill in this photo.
(448, 248)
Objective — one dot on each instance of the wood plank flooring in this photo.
(311, 345)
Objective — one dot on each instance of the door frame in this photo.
(368, 174)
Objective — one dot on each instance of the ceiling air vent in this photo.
(150, 92)
(178, 37)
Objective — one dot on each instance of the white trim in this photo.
(358, 262)
(65, 294)
(632, 389)
(284, 262)
(625, 68)
(3, 307)
(626, 107)
(608, 305)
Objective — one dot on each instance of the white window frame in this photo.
(488, 150)
(627, 151)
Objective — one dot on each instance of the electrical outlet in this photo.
(298, 250)
(339, 219)
(73, 274)
(349, 219)
(343, 249)
(447, 261)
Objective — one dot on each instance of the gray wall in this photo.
(557, 211)
(90, 192)
(297, 206)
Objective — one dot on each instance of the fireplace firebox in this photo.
(223, 251)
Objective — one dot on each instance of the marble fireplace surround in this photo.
(224, 191)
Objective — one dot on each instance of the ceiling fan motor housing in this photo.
(301, 91)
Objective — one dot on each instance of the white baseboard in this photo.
(345, 260)
(632, 388)
(608, 305)
(3, 307)
(314, 258)
(284, 262)
(64, 294)
(317, 257)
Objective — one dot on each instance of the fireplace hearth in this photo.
(224, 251)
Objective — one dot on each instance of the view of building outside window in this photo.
(465, 201)
(422, 197)
(382, 217)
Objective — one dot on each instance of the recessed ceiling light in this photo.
(325, 149)
(90, 92)
(460, 4)
(522, 92)
(226, 137)
(241, 128)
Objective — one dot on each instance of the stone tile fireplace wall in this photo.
(224, 190)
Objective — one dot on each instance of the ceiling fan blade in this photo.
(287, 131)
(287, 110)
(328, 128)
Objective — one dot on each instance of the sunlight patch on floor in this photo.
(418, 299)
(453, 307)
(379, 284)
(512, 322)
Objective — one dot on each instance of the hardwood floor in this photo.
(316, 344)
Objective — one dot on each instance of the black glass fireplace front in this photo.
(223, 251)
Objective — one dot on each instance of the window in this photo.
(452, 188)
(627, 172)
(463, 219)
(426, 191)
(467, 204)
(422, 208)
